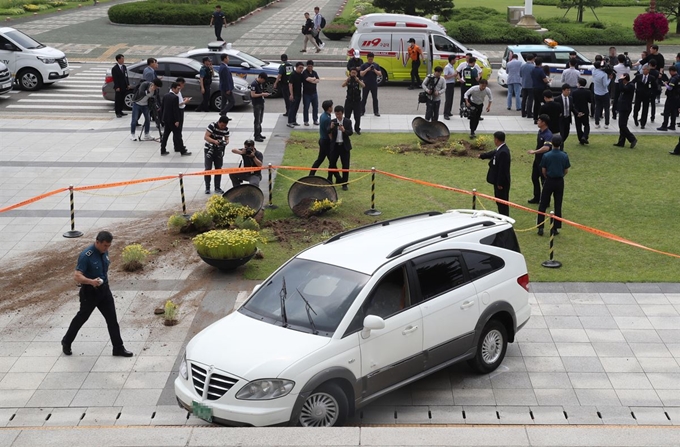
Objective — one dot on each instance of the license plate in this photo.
(8, 85)
(201, 411)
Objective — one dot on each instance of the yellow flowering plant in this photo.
(321, 206)
(227, 244)
(170, 310)
(134, 257)
(224, 213)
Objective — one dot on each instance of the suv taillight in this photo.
(108, 79)
(524, 281)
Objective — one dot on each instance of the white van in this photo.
(31, 63)
(5, 79)
(387, 35)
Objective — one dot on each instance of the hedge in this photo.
(603, 3)
(172, 13)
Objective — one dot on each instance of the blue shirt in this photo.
(555, 163)
(513, 69)
(324, 126)
(218, 19)
(149, 74)
(226, 81)
(544, 138)
(537, 77)
(525, 73)
(93, 264)
(256, 87)
(600, 82)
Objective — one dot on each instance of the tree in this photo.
(417, 7)
(580, 6)
(650, 26)
(671, 9)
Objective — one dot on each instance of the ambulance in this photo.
(387, 35)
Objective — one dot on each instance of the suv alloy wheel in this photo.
(493, 342)
(325, 407)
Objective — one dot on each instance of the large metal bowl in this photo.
(246, 195)
(430, 133)
(311, 187)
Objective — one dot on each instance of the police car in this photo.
(554, 56)
(241, 64)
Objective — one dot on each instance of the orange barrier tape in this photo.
(32, 200)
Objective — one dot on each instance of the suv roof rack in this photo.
(483, 213)
(442, 234)
(382, 223)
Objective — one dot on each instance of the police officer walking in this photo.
(554, 166)
(285, 69)
(92, 275)
(205, 79)
(468, 76)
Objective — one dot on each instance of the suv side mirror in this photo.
(8, 47)
(372, 323)
(245, 65)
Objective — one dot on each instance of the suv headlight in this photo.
(183, 368)
(265, 389)
(242, 88)
(46, 60)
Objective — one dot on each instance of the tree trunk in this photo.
(677, 25)
(652, 5)
(579, 13)
(650, 42)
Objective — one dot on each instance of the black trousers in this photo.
(205, 104)
(432, 111)
(551, 187)
(538, 99)
(527, 102)
(582, 127)
(119, 101)
(352, 107)
(463, 88)
(227, 103)
(209, 163)
(642, 103)
(415, 76)
(503, 194)
(373, 90)
(602, 104)
(677, 147)
(448, 98)
(565, 128)
(218, 31)
(624, 131)
(670, 112)
(324, 152)
(475, 115)
(177, 142)
(338, 151)
(615, 101)
(293, 109)
(537, 179)
(283, 88)
(258, 115)
(92, 298)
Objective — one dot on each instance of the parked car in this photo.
(31, 63)
(171, 68)
(555, 57)
(364, 313)
(241, 64)
(6, 80)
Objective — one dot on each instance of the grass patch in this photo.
(14, 8)
(622, 191)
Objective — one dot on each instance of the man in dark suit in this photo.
(583, 99)
(566, 103)
(121, 84)
(625, 106)
(553, 110)
(499, 171)
(340, 131)
(226, 86)
(172, 119)
(646, 86)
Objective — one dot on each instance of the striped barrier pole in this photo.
(73, 233)
(270, 205)
(373, 211)
(474, 199)
(551, 263)
(181, 190)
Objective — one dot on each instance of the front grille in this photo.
(218, 384)
(4, 75)
(63, 63)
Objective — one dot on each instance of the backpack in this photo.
(323, 22)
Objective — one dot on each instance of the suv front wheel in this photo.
(493, 342)
(30, 79)
(325, 407)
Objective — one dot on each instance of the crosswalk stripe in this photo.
(80, 90)
(19, 106)
(70, 95)
(66, 101)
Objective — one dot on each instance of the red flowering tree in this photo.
(650, 26)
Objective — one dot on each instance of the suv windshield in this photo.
(253, 61)
(23, 40)
(329, 290)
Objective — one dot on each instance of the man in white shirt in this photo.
(474, 97)
(450, 75)
(620, 69)
(570, 75)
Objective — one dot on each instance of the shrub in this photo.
(247, 223)
(170, 13)
(321, 206)
(176, 222)
(604, 2)
(134, 257)
(57, 4)
(31, 8)
(588, 34)
(202, 220)
(224, 212)
(227, 244)
(11, 11)
(170, 310)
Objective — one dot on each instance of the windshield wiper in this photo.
(282, 295)
(308, 307)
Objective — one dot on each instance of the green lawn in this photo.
(68, 6)
(631, 193)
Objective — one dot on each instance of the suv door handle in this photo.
(409, 329)
(467, 304)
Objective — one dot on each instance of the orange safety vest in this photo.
(414, 52)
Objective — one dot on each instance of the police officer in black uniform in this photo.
(285, 69)
(92, 275)
(554, 166)
(353, 99)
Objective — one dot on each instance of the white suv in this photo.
(358, 316)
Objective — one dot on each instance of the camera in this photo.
(249, 147)
(466, 111)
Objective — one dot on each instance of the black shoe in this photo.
(121, 352)
(481, 118)
(207, 190)
(674, 153)
(447, 117)
(555, 232)
(119, 115)
(533, 201)
(524, 115)
(164, 152)
(123, 114)
(345, 187)
(529, 115)
(358, 132)
(587, 142)
(410, 87)
(636, 123)
(185, 153)
(633, 144)
(377, 114)
(582, 142)
(535, 122)
(540, 232)
(66, 348)
(618, 145)
(652, 119)
(263, 137)
(671, 128)
(472, 136)
(259, 139)
(285, 114)
(663, 129)
(219, 191)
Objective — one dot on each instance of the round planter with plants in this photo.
(227, 249)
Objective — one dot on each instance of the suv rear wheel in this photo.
(29, 79)
(325, 407)
(493, 342)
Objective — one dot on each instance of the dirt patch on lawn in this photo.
(287, 230)
(442, 147)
